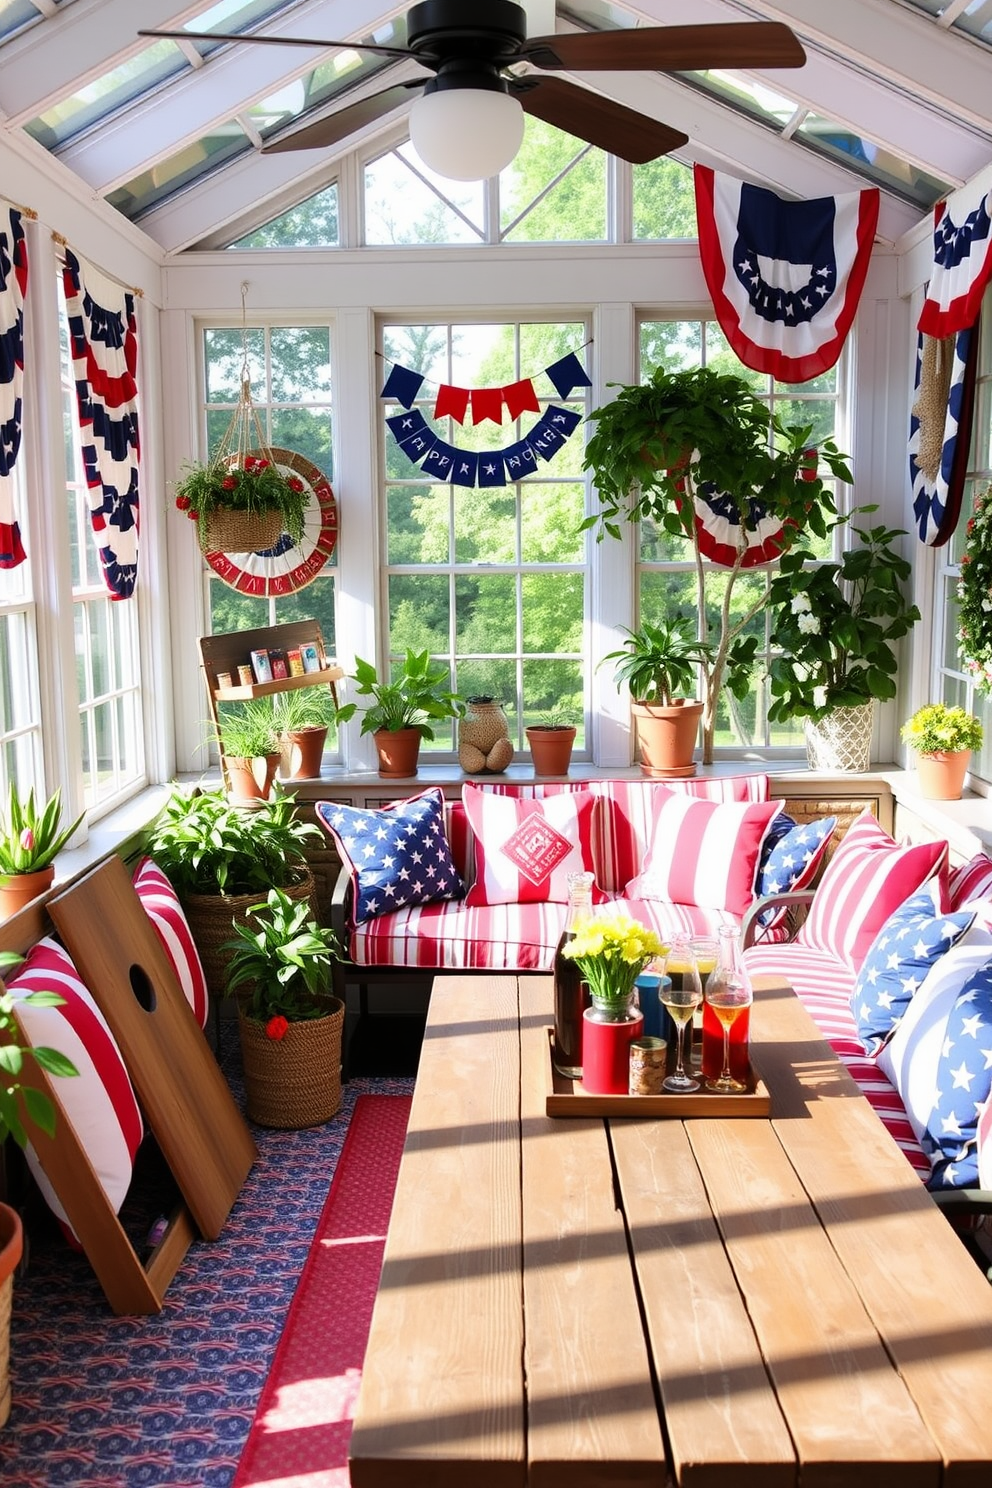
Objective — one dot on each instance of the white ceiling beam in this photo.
(203, 100)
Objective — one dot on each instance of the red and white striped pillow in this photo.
(161, 904)
(99, 1103)
(704, 853)
(973, 880)
(866, 880)
(525, 849)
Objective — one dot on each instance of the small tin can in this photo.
(648, 1059)
(246, 676)
(224, 679)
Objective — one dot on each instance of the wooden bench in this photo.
(588, 1302)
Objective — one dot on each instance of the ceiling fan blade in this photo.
(670, 48)
(294, 41)
(337, 126)
(602, 122)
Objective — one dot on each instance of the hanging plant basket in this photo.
(227, 530)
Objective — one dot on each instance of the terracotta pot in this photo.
(667, 737)
(399, 750)
(303, 752)
(251, 779)
(11, 1247)
(18, 889)
(551, 748)
(941, 776)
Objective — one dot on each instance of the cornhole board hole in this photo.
(185, 1099)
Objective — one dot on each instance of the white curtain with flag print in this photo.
(103, 342)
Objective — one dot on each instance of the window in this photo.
(490, 579)
(666, 571)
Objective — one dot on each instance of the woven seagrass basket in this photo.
(11, 1248)
(225, 530)
(212, 918)
(294, 1081)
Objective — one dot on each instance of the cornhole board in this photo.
(185, 1099)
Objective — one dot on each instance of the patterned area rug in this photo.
(168, 1401)
(303, 1423)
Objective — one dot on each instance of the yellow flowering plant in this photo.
(611, 951)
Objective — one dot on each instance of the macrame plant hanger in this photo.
(236, 530)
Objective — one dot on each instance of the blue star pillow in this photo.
(396, 856)
(791, 861)
(910, 942)
(940, 1058)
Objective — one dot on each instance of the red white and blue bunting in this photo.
(785, 277)
(746, 535)
(940, 432)
(445, 462)
(104, 346)
(13, 289)
(962, 261)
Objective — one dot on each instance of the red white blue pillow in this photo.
(161, 904)
(704, 853)
(940, 1058)
(396, 855)
(867, 878)
(973, 880)
(792, 861)
(526, 849)
(99, 1103)
(910, 942)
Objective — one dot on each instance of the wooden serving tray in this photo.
(564, 1097)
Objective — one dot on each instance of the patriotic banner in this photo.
(520, 397)
(444, 462)
(940, 431)
(13, 288)
(104, 345)
(962, 262)
(785, 277)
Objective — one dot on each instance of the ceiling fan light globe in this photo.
(466, 134)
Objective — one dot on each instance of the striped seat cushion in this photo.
(823, 986)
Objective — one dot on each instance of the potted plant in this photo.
(943, 738)
(658, 444)
(834, 626)
(249, 738)
(18, 1100)
(220, 858)
(403, 708)
(280, 968)
(658, 663)
(551, 742)
(241, 503)
(302, 719)
(30, 839)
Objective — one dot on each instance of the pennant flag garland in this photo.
(962, 258)
(104, 346)
(452, 402)
(940, 431)
(487, 403)
(493, 468)
(403, 385)
(566, 374)
(785, 277)
(13, 288)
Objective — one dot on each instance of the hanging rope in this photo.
(244, 435)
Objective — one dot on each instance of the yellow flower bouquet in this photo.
(611, 951)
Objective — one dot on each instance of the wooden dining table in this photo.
(717, 1301)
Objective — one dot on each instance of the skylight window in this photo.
(974, 18)
(105, 95)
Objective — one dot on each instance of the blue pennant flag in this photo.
(519, 460)
(565, 420)
(491, 470)
(465, 468)
(566, 374)
(403, 385)
(439, 460)
(408, 428)
(545, 439)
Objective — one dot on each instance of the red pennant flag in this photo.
(487, 403)
(453, 401)
(521, 398)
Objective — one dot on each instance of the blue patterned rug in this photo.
(111, 1402)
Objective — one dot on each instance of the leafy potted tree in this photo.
(31, 836)
(834, 628)
(403, 709)
(302, 719)
(943, 738)
(221, 858)
(659, 444)
(18, 1100)
(249, 737)
(658, 664)
(280, 968)
(551, 742)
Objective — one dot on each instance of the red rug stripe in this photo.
(302, 1425)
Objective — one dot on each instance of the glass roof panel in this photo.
(600, 15)
(900, 177)
(15, 14)
(231, 15)
(105, 95)
(156, 185)
(745, 95)
(975, 18)
(341, 70)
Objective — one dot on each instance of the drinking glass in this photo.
(681, 992)
(728, 996)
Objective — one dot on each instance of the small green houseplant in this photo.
(660, 665)
(657, 443)
(403, 708)
(249, 740)
(551, 740)
(280, 968)
(252, 486)
(32, 835)
(302, 719)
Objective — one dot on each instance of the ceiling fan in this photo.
(468, 121)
